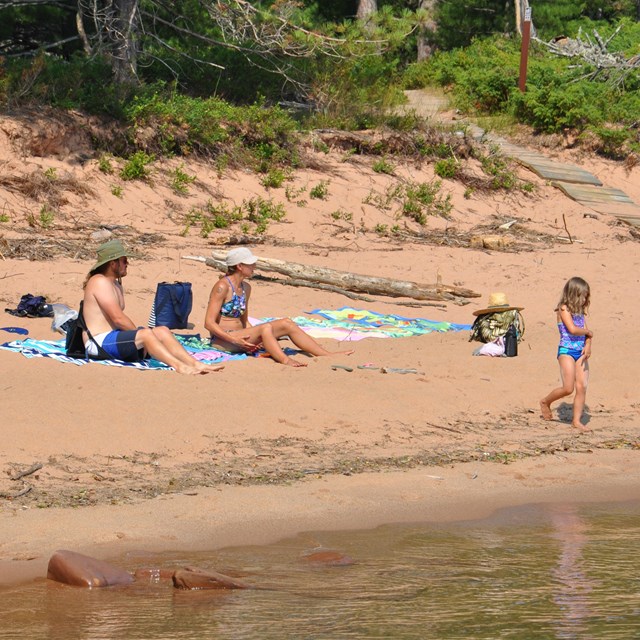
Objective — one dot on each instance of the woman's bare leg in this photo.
(268, 333)
(568, 376)
(270, 343)
(582, 380)
(302, 340)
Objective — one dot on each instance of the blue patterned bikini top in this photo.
(567, 339)
(235, 307)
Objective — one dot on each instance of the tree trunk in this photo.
(124, 42)
(427, 30)
(353, 281)
(366, 8)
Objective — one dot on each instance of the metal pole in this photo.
(524, 49)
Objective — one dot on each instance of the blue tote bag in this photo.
(172, 305)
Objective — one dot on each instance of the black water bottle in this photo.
(511, 342)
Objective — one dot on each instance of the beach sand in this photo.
(151, 459)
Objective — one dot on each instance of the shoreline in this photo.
(213, 518)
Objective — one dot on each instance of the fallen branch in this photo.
(27, 472)
(13, 496)
(348, 294)
(350, 281)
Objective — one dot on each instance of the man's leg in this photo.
(161, 344)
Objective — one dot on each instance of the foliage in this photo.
(137, 166)
(446, 168)
(73, 83)
(341, 214)
(274, 179)
(261, 211)
(416, 200)
(180, 180)
(104, 164)
(293, 194)
(258, 211)
(319, 191)
(383, 166)
(483, 78)
(260, 136)
(211, 217)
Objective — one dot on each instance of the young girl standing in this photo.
(574, 349)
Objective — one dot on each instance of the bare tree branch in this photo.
(613, 67)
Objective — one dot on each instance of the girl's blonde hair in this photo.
(576, 296)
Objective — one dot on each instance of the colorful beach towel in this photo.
(349, 324)
(55, 349)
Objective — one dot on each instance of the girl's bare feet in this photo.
(545, 410)
(580, 427)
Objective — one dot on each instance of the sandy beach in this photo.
(151, 459)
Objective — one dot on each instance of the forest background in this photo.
(237, 81)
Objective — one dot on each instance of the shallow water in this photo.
(543, 571)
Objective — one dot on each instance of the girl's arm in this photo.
(566, 318)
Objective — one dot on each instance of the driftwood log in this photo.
(350, 281)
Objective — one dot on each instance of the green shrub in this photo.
(273, 179)
(258, 136)
(104, 164)
(51, 174)
(180, 180)
(137, 166)
(293, 195)
(447, 168)
(261, 211)
(424, 199)
(320, 191)
(383, 166)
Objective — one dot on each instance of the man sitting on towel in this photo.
(114, 331)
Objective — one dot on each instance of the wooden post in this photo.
(524, 49)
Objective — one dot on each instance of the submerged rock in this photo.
(328, 558)
(79, 570)
(195, 578)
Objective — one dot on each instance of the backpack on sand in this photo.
(74, 344)
(489, 326)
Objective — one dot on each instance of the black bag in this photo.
(511, 342)
(74, 344)
(32, 307)
(172, 305)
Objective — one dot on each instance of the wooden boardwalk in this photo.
(577, 183)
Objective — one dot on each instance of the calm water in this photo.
(534, 572)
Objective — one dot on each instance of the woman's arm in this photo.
(565, 316)
(244, 318)
(216, 300)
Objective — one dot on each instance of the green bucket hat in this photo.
(108, 251)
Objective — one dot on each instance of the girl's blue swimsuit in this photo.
(571, 345)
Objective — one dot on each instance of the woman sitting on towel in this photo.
(228, 313)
